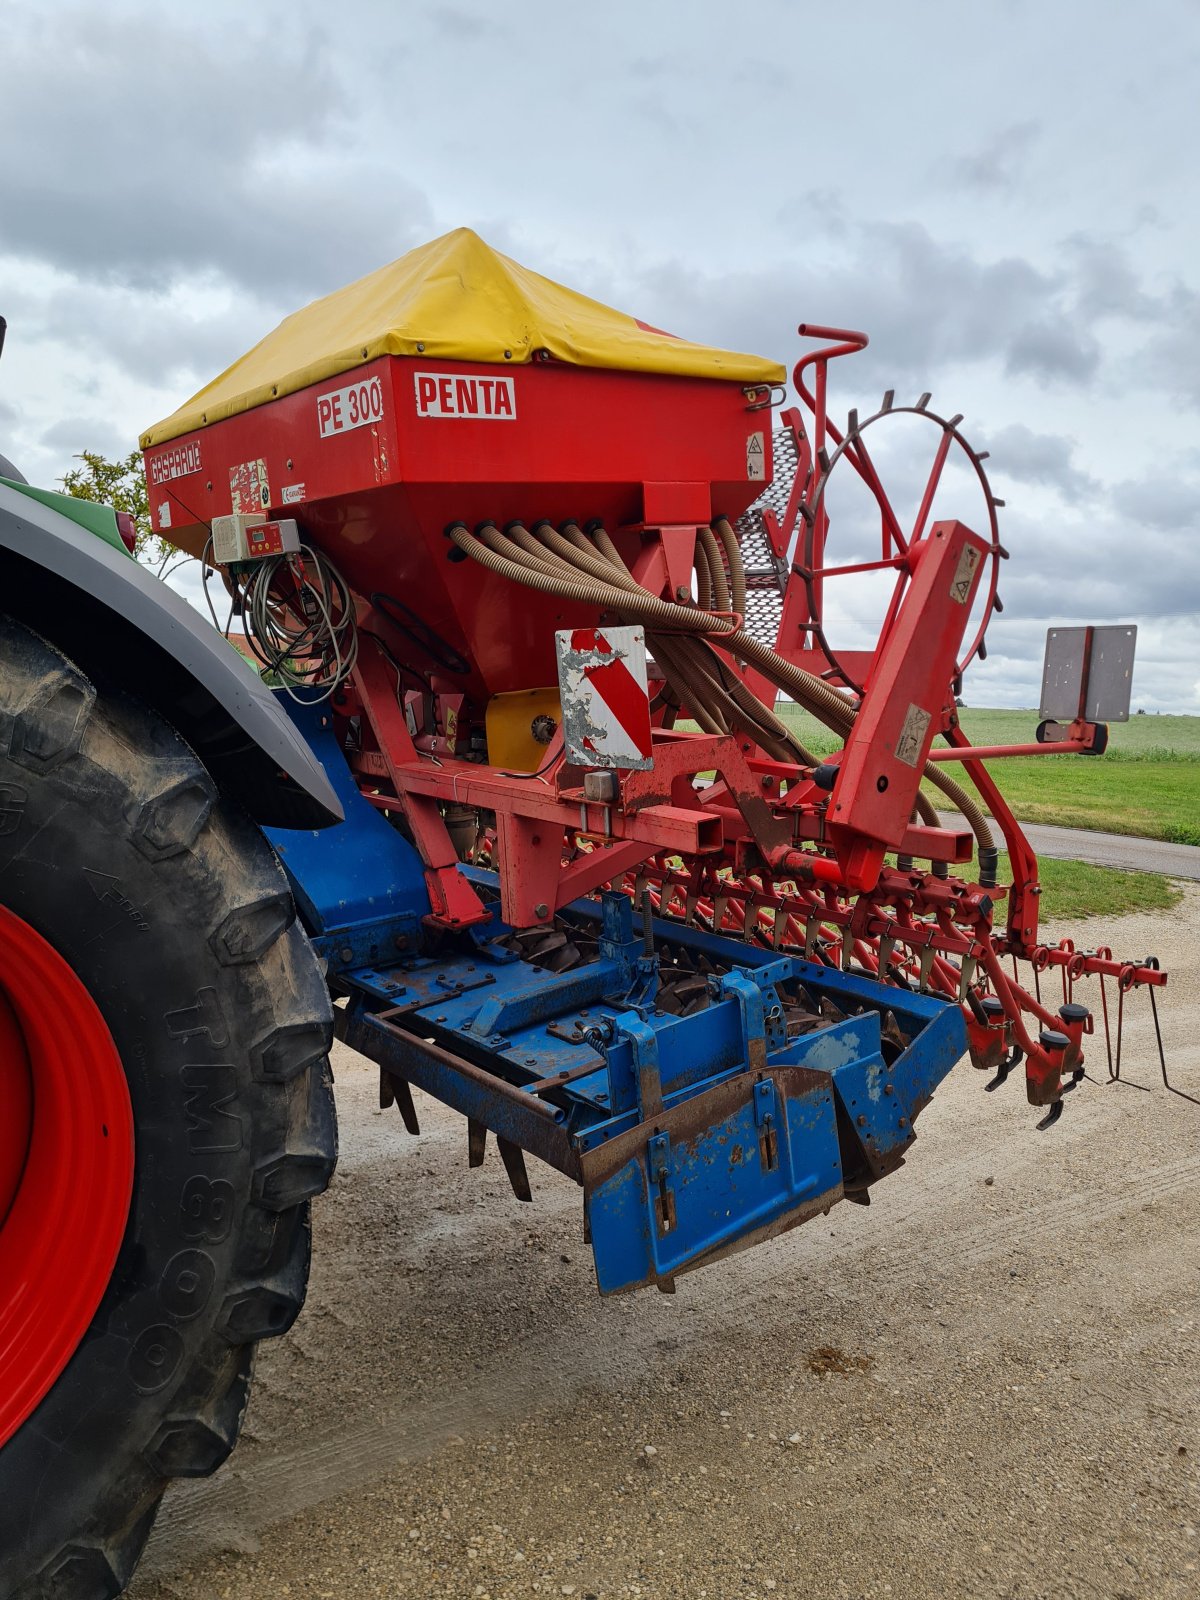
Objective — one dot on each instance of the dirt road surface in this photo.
(984, 1385)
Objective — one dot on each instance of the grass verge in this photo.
(1072, 890)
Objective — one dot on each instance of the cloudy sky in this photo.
(1004, 196)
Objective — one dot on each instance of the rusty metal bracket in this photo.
(660, 1167)
(643, 1046)
(764, 1118)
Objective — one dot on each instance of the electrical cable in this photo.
(300, 622)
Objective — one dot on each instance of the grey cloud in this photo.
(1021, 453)
(1053, 350)
(461, 24)
(925, 303)
(647, 69)
(72, 435)
(1165, 501)
(1101, 569)
(1107, 281)
(1171, 356)
(160, 161)
(759, 77)
(996, 165)
(159, 339)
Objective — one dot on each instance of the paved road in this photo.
(1105, 849)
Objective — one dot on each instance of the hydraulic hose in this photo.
(716, 569)
(560, 565)
(690, 656)
(588, 591)
(737, 569)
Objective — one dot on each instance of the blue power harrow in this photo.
(707, 1094)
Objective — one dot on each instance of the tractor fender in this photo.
(120, 624)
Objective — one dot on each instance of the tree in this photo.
(121, 485)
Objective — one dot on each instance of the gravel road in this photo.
(985, 1385)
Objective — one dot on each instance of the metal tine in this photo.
(925, 967)
(1107, 1029)
(476, 1142)
(1162, 1059)
(1116, 1077)
(1051, 1117)
(1011, 1060)
(404, 1104)
(394, 1091)
(889, 396)
(514, 1164)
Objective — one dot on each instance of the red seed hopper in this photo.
(455, 385)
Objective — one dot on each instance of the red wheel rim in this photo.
(66, 1166)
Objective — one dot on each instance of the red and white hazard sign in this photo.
(605, 696)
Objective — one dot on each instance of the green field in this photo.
(1147, 784)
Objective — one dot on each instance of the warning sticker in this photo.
(248, 487)
(960, 587)
(292, 492)
(756, 458)
(912, 736)
(605, 695)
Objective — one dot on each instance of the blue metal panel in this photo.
(881, 1099)
(693, 1191)
(357, 874)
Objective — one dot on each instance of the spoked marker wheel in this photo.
(165, 1117)
(815, 570)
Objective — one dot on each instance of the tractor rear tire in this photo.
(162, 908)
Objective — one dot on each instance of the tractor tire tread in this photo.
(99, 748)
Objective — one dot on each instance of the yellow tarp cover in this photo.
(459, 300)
